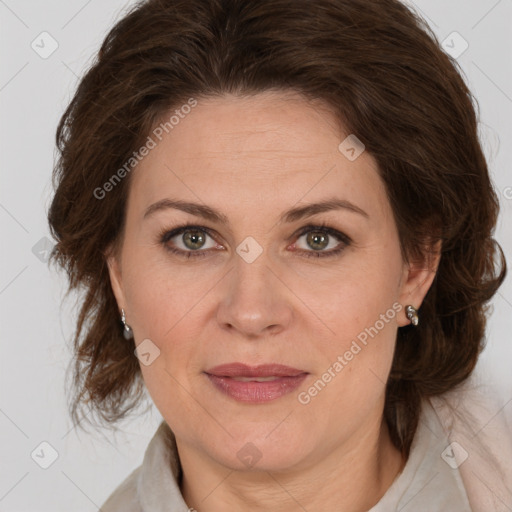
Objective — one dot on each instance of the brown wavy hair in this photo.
(382, 71)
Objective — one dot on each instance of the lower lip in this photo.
(256, 392)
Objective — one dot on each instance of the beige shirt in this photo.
(460, 461)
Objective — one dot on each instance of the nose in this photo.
(254, 302)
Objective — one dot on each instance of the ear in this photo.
(417, 278)
(114, 269)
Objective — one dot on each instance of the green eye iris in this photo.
(317, 240)
(193, 239)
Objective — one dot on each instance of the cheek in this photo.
(161, 295)
(359, 304)
(165, 308)
(361, 293)
(162, 312)
(354, 363)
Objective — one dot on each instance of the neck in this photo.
(352, 478)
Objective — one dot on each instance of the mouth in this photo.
(255, 384)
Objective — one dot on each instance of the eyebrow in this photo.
(291, 215)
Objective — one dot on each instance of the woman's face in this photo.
(251, 285)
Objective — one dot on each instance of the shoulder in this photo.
(124, 498)
(478, 425)
(154, 484)
(475, 411)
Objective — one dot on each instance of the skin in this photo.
(252, 159)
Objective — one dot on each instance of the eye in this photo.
(319, 238)
(191, 241)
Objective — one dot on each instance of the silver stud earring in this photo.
(127, 331)
(412, 314)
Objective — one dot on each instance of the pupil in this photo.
(317, 239)
(194, 237)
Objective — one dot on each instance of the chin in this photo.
(256, 450)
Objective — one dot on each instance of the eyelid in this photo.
(323, 227)
(167, 234)
(172, 232)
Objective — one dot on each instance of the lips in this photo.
(263, 370)
(255, 384)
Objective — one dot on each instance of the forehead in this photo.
(268, 148)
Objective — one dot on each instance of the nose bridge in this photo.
(253, 300)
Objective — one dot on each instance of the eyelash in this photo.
(165, 235)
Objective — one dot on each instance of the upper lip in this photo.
(262, 370)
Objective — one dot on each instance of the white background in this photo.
(36, 330)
